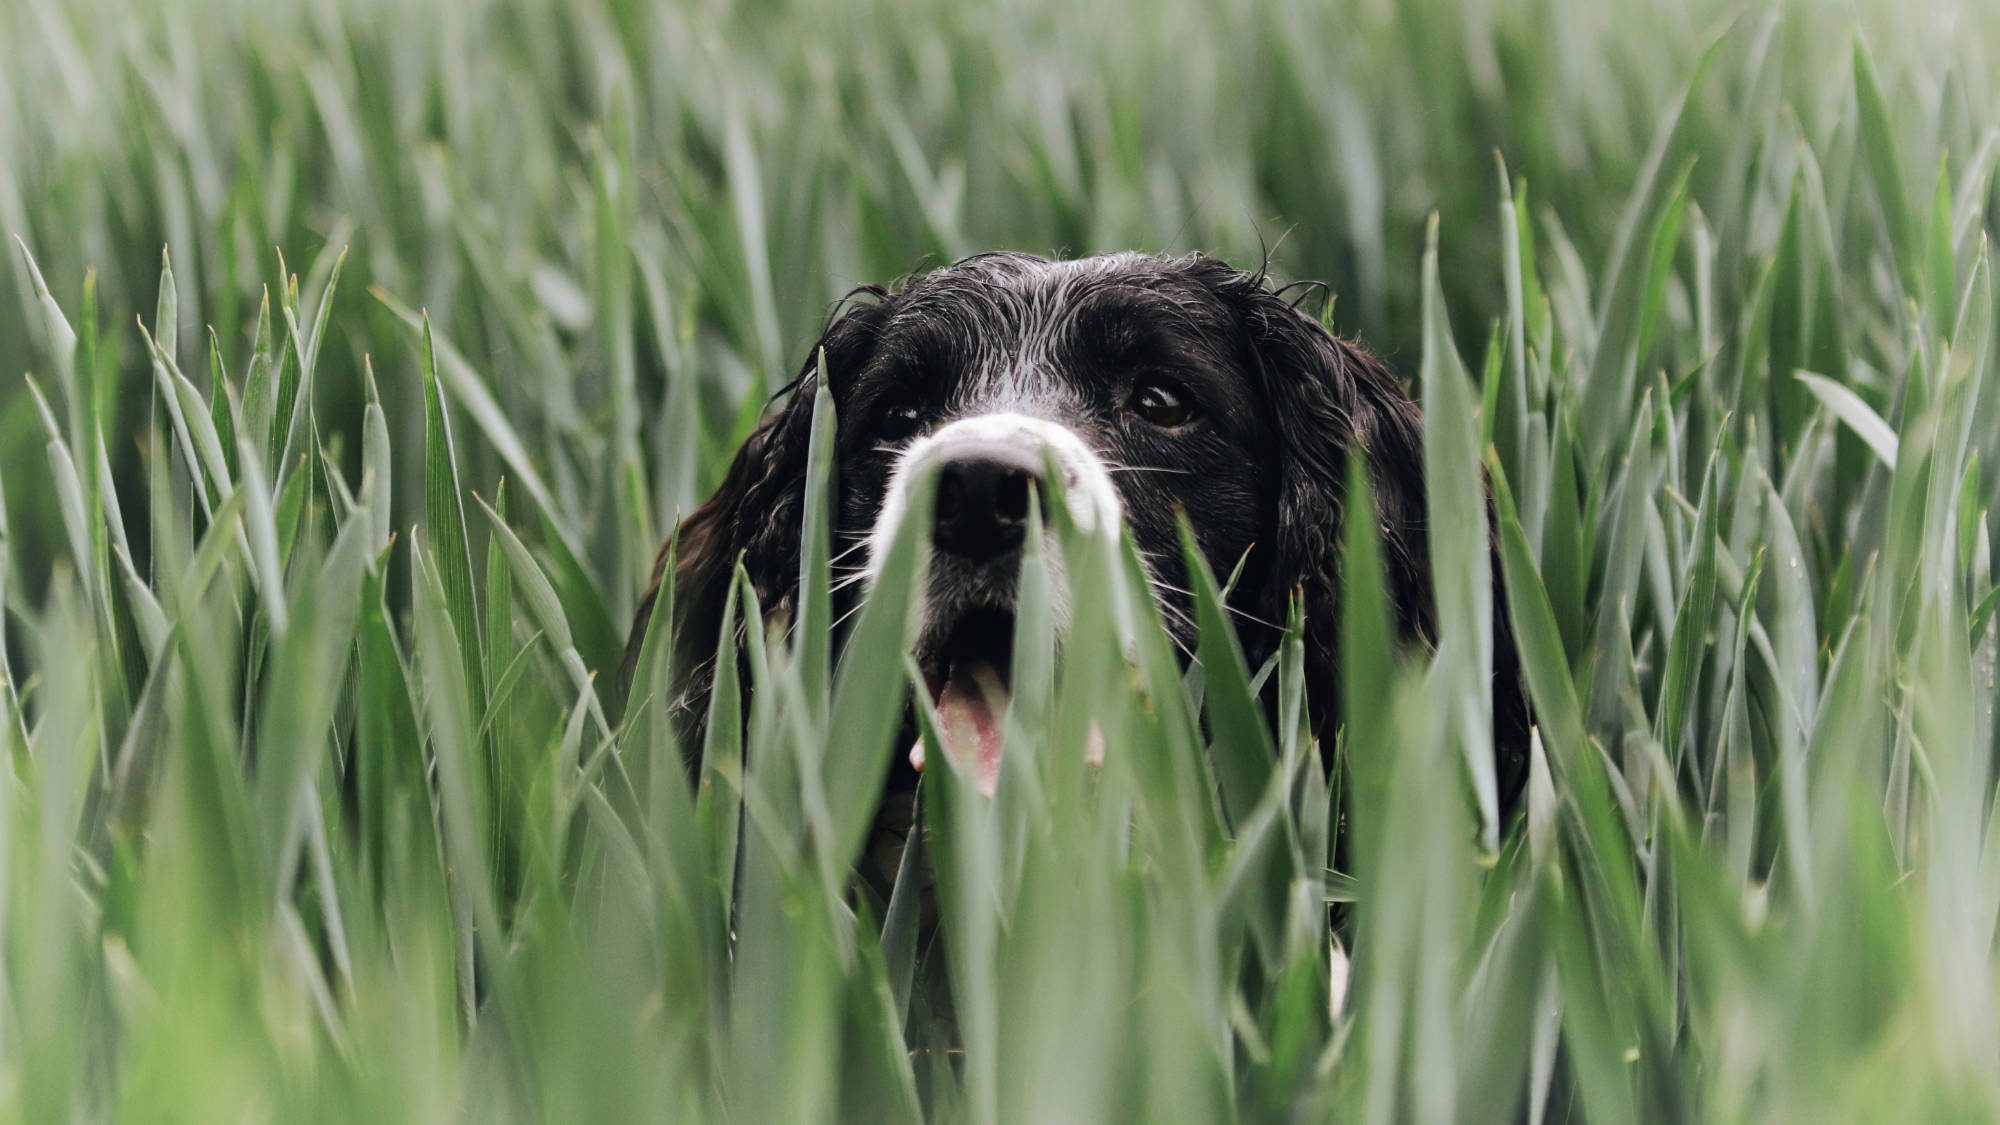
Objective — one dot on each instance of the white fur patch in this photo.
(1087, 486)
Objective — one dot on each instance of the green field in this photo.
(323, 797)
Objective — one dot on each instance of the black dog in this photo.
(1157, 386)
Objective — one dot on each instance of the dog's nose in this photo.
(982, 501)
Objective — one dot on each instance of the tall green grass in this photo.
(323, 797)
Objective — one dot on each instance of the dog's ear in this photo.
(1328, 396)
(755, 513)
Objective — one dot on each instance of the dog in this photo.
(1156, 386)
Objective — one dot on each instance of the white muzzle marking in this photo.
(1087, 486)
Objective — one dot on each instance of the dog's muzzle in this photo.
(989, 468)
(986, 465)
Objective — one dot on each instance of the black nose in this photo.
(982, 501)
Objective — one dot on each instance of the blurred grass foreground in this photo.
(321, 797)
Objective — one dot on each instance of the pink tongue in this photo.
(969, 711)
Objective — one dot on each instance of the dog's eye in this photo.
(1160, 403)
(897, 421)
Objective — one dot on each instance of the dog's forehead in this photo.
(1002, 313)
(1009, 282)
(1029, 272)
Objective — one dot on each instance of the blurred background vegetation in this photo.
(597, 200)
(305, 815)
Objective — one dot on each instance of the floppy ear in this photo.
(755, 513)
(1328, 396)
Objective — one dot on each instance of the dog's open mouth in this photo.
(967, 676)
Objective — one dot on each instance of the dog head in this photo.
(1155, 386)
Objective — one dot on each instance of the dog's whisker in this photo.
(845, 617)
(860, 543)
(1180, 646)
(1170, 588)
(1113, 465)
(1173, 615)
(1160, 584)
